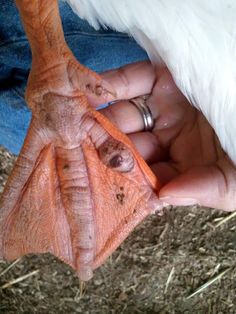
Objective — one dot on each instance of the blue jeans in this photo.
(99, 50)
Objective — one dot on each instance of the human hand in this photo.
(182, 149)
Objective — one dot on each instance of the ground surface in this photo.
(158, 267)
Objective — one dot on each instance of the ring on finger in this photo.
(141, 104)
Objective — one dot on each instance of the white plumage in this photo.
(196, 39)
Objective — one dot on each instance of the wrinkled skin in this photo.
(79, 187)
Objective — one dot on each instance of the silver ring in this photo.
(141, 104)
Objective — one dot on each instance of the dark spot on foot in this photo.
(116, 155)
(88, 87)
(98, 90)
(121, 188)
(120, 197)
(105, 150)
(66, 167)
(48, 119)
(116, 161)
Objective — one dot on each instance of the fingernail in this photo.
(178, 201)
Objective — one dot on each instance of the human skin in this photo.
(182, 149)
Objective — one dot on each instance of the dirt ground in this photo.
(157, 269)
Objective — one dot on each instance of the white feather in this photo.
(194, 38)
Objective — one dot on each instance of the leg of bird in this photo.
(54, 68)
(67, 193)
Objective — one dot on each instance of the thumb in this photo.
(206, 186)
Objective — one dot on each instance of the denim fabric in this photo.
(99, 50)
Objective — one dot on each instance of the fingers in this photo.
(148, 146)
(129, 81)
(167, 108)
(164, 172)
(212, 186)
(125, 116)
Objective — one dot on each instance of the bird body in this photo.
(195, 39)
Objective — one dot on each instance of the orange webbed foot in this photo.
(79, 187)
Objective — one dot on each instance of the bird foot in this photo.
(78, 187)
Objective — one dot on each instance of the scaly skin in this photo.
(78, 187)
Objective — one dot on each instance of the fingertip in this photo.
(198, 186)
(179, 201)
(131, 80)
